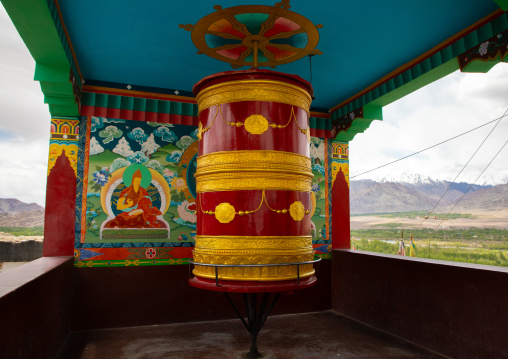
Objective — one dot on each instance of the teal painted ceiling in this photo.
(140, 43)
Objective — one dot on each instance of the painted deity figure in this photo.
(136, 206)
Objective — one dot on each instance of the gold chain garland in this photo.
(201, 130)
(225, 212)
(254, 124)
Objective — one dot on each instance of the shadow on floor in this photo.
(320, 335)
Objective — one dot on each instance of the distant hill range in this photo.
(13, 205)
(366, 196)
(422, 194)
(14, 213)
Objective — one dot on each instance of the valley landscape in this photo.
(473, 230)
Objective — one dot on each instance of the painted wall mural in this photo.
(136, 193)
(320, 201)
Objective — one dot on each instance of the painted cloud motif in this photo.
(97, 123)
(165, 133)
(110, 133)
(138, 135)
(174, 156)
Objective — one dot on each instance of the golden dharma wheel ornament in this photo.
(256, 124)
(249, 236)
(297, 211)
(255, 35)
(225, 212)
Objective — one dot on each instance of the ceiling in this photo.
(139, 44)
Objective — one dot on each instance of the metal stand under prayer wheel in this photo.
(253, 176)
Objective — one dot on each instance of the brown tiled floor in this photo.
(320, 335)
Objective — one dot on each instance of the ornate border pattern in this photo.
(494, 48)
(253, 90)
(244, 181)
(252, 242)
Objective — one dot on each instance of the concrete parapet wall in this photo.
(35, 308)
(24, 251)
(456, 309)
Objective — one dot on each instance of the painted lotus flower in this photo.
(483, 48)
(150, 253)
(186, 212)
(168, 173)
(101, 177)
(179, 183)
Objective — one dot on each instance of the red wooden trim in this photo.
(68, 38)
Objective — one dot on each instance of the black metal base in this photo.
(256, 317)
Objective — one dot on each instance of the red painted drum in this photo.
(253, 176)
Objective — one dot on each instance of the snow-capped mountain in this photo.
(414, 193)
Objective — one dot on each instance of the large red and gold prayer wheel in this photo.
(253, 176)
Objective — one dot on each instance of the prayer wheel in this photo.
(253, 177)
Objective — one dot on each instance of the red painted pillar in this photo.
(59, 222)
(340, 195)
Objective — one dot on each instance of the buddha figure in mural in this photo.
(137, 210)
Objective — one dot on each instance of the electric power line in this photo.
(464, 167)
(428, 148)
(472, 184)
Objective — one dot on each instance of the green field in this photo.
(417, 214)
(473, 245)
(23, 231)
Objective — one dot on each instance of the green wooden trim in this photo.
(439, 65)
(484, 66)
(482, 58)
(63, 39)
(94, 99)
(433, 68)
(503, 4)
(371, 112)
(35, 24)
(138, 104)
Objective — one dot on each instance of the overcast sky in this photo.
(435, 113)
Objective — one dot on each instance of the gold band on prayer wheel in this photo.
(253, 170)
(241, 250)
(253, 242)
(253, 90)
